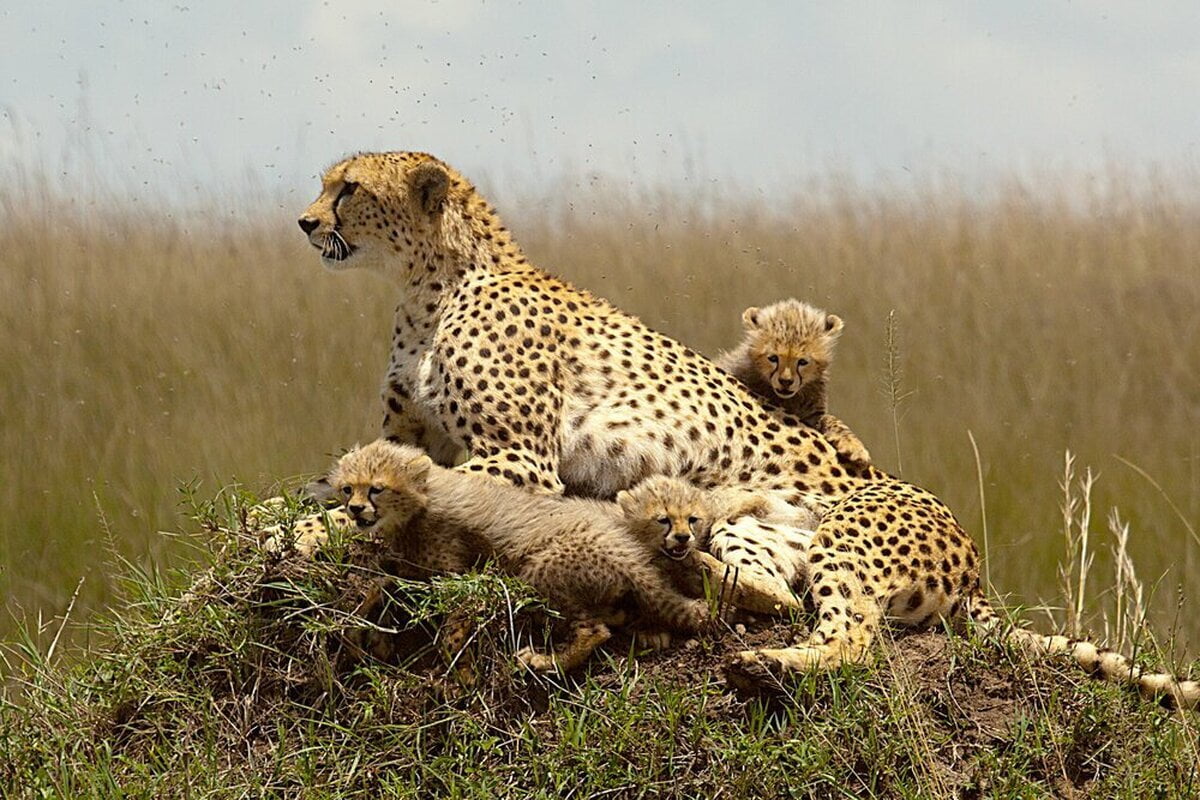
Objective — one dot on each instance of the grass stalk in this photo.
(987, 553)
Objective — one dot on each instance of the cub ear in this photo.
(429, 185)
(418, 468)
(833, 323)
(626, 502)
(750, 318)
(320, 490)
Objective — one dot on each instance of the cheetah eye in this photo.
(693, 521)
(774, 359)
(374, 490)
(347, 490)
(664, 521)
(348, 188)
(802, 362)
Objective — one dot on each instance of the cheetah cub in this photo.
(674, 517)
(576, 553)
(784, 358)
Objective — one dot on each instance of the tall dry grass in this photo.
(143, 348)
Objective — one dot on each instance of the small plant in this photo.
(893, 381)
(1129, 613)
(1076, 510)
(1123, 607)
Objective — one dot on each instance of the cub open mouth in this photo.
(364, 523)
(678, 552)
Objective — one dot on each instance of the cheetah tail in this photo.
(1100, 662)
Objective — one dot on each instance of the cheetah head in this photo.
(791, 344)
(379, 210)
(667, 514)
(382, 483)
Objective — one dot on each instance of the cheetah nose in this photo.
(356, 508)
(308, 224)
(682, 538)
(785, 383)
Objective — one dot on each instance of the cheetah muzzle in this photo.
(336, 248)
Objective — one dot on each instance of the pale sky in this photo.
(179, 96)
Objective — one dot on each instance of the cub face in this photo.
(791, 344)
(381, 483)
(668, 515)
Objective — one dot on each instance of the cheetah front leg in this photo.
(767, 558)
(848, 621)
(307, 534)
(454, 636)
(514, 466)
(661, 602)
(512, 436)
(406, 423)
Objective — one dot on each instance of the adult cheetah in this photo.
(549, 388)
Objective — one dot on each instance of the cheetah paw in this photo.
(746, 671)
(271, 508)
(652, 640)
(854, 452)
(534, 661)
(758, 669)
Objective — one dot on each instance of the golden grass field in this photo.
(143, 349)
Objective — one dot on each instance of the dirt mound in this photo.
(455, 636)
(272, 673)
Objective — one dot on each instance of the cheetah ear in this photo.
(319, 489)
(750, 318)
(429, 185)
(833, 324)
(626, 502)
(418, 468)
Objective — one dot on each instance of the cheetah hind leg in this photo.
(848, 622)
(454, 636)
(766, 559)
(586, 636)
